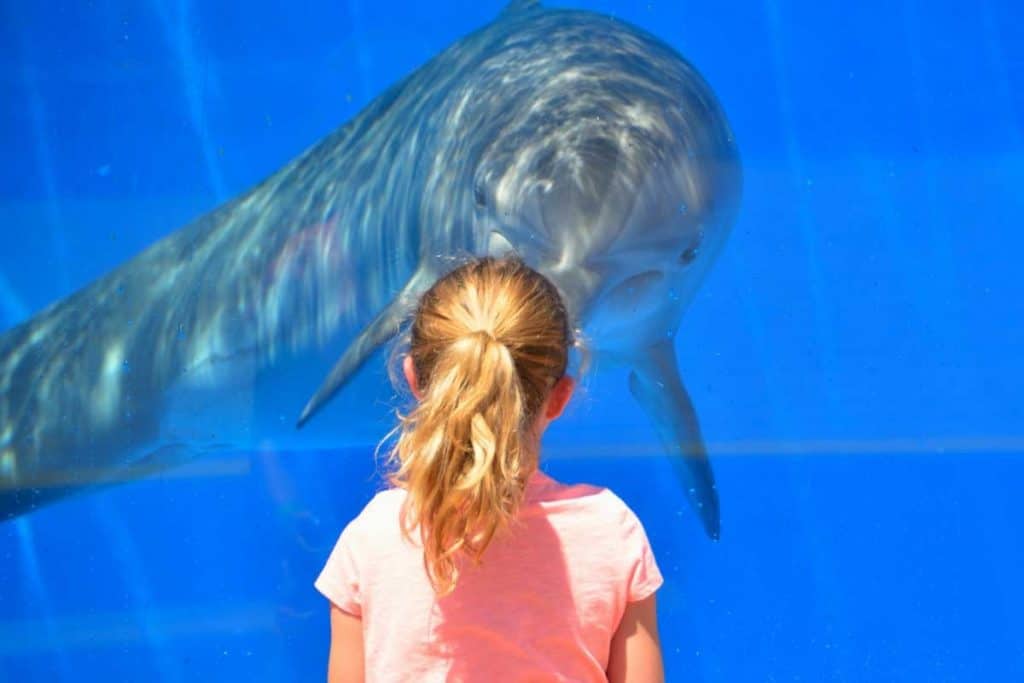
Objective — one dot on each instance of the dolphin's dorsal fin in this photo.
(516, 6)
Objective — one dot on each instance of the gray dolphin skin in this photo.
(585, 145)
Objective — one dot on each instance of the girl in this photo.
(476, 566)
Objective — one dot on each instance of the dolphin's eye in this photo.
(479, 197)
(688, 256)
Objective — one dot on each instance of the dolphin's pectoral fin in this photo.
(66, 482)
(161, 458)
(376, 333)
(384, 327)
(657, 386)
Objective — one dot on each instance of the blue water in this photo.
(855, 354)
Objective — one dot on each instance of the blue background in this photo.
(855, 355)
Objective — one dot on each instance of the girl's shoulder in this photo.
(376, 529)
(600, 503)
(385, 502)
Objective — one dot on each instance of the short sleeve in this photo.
(339, 579)
(644, 577)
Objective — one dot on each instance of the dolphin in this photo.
(586, 146)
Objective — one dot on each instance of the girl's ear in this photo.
(410, 376)
(559, 398)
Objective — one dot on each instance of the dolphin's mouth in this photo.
(631, 292)
(643, 280)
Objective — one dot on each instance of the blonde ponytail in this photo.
(487, 343)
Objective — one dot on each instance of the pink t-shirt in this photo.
(543, 604)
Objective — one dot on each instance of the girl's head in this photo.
(488, 351)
